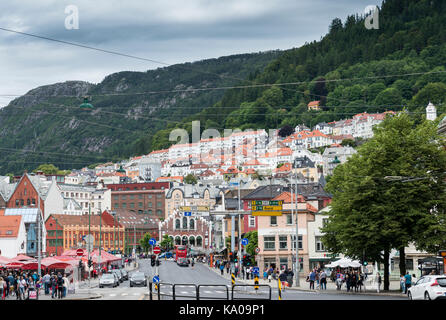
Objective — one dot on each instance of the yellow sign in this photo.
(266, 213)
(194, 208)
(267, 208)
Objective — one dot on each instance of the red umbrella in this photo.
(22, 257)
(4, 261)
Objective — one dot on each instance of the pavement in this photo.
(83, 291)
(331, 286)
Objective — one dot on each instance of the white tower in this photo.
(431, 112)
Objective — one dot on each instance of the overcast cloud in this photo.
(170, 31)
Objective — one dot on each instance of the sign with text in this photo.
(267, 207)
(194, 208)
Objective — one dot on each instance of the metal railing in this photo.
(198, 296)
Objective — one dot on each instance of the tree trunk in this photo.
(402, 261)
(386, 269)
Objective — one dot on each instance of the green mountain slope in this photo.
(49, 125)
(351, 70)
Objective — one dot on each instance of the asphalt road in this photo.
(170, 273)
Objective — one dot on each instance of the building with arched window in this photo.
(193, 231)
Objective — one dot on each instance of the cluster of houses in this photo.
(118, 203)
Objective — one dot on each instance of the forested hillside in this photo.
(47, 125)
(351, 70)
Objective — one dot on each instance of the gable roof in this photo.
(9, 226)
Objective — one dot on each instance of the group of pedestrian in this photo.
(406, 282)
(353, 280)
(56, 285)
(18, 284)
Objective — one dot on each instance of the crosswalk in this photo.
(123, 294)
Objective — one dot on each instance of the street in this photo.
(212, 286)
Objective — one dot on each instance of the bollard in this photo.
(279, 286)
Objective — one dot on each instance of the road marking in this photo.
(112, 294)
(208, 292)
(124, 294)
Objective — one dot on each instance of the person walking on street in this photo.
(222, 268)
(403, 283)
(59, 286)
(378, 281)
(2, 288)
(46, 283)
(408, 282)
(31, 285)
(323, 280)
(53, 286)
(65, 286)
(22, 287)
(312, 278)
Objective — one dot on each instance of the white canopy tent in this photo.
(344, 263)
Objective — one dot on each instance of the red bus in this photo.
(180, 252)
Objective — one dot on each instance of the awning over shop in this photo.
(4, 261)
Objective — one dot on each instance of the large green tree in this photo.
(390, 194)
(145, 242)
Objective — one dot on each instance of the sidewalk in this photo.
(331, 286)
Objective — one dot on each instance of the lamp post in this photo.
(297, 240)
(100, 237)
(89, 243)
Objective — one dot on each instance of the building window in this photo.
(324, 222)
(319, 244)
(252, 222)
(184, 223)
(158, 196)
(270, 242)
(177, 223)
(140, 204)
(289, 219)
(132, 205)
(192, 224)
(273, 220)
(124, 205)
(150, 204)
(158, 204)
(299, 242)
(132, 196)
(116, 205)
(150, 196)
(123, 197)
(114, 197)
(409, 264)
(159, 212)
(283, 242)
(139, 196)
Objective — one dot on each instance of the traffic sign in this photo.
(257, 250)
(152, 241)
(80, 252)
(266, 207)
(245, 241)
(156, 250)
(156, 279)
(266, 213)
(188, 214)
(266, 203)
(255, 270)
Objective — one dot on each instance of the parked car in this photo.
(125, 274)
(430, 287)
(118, 274)
(182, 262)
(108, 280)
(138, 279)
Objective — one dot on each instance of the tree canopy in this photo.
(390, 194)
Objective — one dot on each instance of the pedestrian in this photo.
(361, 281)
(317, 279)
(338, 281)
(16, 287)
(53, 286)
(222, 268)
(270, 277)
(408, 282)
(265, 274)
(378, 281)
(227, 267)
(22, 288)
(282, 279)
(65, 286)
(348, 281)
(354, 281)
(6, 279)
(2, 288)
(31, 285)
(312, 278)
(402, 283)
(46, 283)
(59, 286)
(323, 279)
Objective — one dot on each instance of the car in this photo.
(125, 274)
(166, 255)
(108, 280)
(430, 287)
(138, 279)
(182, 262)
(118, 273)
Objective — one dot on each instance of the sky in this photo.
(168, 31)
